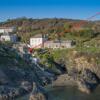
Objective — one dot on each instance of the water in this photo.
(68, 93)
(72, 93)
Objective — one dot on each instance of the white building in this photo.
(7, 37)
(57, 44)
(37, 41)
(7, 29)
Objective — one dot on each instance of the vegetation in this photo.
(87, 36)
(54, 28)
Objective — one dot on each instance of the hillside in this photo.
(18, 77)
(55, 28)
(79, 65)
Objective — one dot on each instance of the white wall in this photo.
(7, 30)
(5, 38)
(12, 38)
(36, 42)
(2, 30)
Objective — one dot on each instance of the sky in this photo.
(71, 9)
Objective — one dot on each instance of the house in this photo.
(7, 29)
(6, 34)
(8, 37)
(58, 44)
(40, 41)
(37, 41)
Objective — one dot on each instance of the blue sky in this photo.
(76, 9)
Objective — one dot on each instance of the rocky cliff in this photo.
(19, 77)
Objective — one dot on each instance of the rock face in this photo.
(14, 83)
(8, 93)
(90, 76)
(88, 81)
(3, 78)
(38, 93)
(37, 96)
(27, 86)
(84, 68)
(83, 60)
(64, 80)
(16, 79)
(84, 86)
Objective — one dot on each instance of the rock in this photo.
(8, 93)
(90, 76)
(86, 87)
(26, 85)
(73, 73)
(4, 97)
(14, 93)
(83, 86)
(64, 80)
(37, 96)
(88, 81)
(3, 78)
(38, 93)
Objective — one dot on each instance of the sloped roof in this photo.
(6, 27)
(37, 36)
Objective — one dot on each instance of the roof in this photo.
(6, 27)
(67, 41)
(5, 34)
(37, 36)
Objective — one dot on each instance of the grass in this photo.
(59, 53)
(88, 49)
(69, 36)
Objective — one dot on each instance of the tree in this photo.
(86, 33)
(67, 28)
